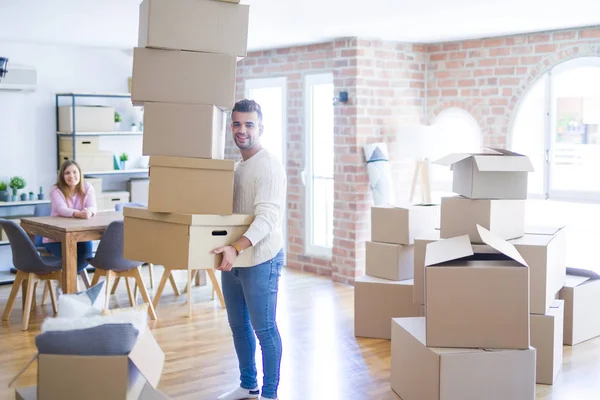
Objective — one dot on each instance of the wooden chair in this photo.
(109, 262)
(31, 269)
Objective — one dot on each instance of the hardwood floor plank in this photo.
(321, 357)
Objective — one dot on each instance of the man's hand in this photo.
(229, 256)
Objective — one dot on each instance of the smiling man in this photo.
(251, 292)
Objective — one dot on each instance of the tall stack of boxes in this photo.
(184, 74)
(489, 288)
(386, 289)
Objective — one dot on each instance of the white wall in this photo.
(28, 119)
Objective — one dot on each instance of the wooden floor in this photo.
(322, 359)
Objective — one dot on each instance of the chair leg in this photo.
(45, 293)
(107, 300)
(197, 275)
(151, 274)
(31, 281)
(216, 287)
(129, 292)
(174, 285)
(34, 300)
(85, 278)
(13, 295)
(114, 288)
(52, 296)
(96, 277)
(190, 274)
(140, 283)
(161, 286)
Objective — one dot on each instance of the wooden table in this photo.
(69, 231)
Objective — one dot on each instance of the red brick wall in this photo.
(391, 84)
(385, 83)
(489, 77)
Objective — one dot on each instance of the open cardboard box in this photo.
(182, 241)
(474, 303)
(494, 174)
(113, 377)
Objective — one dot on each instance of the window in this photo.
(318, 175)
(558, 127)
(271, 94)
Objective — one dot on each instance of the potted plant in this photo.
(123, 160)
(3, 191)
(41, 194)
(16, 183)
(24, 196)
(118, 120)
(31, 196)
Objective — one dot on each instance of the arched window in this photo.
(558, 127)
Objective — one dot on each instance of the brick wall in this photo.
(489, 77)
(390, 84)
(386, 85)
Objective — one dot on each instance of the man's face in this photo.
(246, 129)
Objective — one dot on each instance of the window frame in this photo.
(311, 249)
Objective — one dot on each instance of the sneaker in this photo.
(240, 394)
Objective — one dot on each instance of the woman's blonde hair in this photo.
(61, 184)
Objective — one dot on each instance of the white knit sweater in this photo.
(259, 189)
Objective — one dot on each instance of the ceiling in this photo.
(280, 23)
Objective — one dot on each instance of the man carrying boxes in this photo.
(184, 74)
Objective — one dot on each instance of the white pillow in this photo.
(86, 303)
(139, 319)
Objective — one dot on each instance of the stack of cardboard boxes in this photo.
(492, 326)
(386, 291)
(184, 74)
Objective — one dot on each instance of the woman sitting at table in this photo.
(71, 197)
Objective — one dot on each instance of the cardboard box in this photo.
(419, 372)
(547, 339)
(87, 119)
(148, 393)
(546, 255)
(108, 200)
(377, 301)
(496, 174)
(96, 183)
(173, 76)
(96, 161)
(401, 224)
(389, 261)
(184, 130)
(190, 185)
(205, 26)
(138, 188)
(83, 144)
(128, 374)
(582, 306)
(476, 304)
(460, 216)
(182, 241)
(419, 265)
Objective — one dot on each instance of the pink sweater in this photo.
(62, 207)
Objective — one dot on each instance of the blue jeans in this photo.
(251, 300)
(84, 251)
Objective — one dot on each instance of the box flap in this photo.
(544, 229)
(501, 151)
(189, 219)
(188, 162)
(572, 281)
(500, 163)
(587, 273)
(148, 357)
(501, 245)
(445, 250)
(452, 159)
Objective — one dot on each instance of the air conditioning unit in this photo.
(19, 78)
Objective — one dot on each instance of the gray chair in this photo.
(31, 268)
(109, 262)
